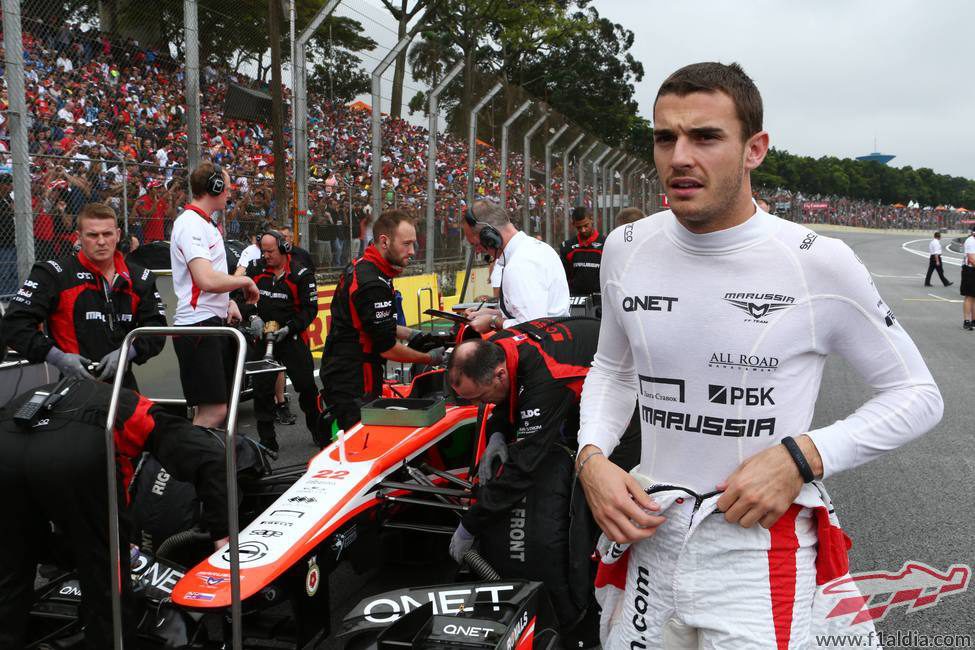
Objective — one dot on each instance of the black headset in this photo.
(488, 235)
(284, 246)
(215, 183)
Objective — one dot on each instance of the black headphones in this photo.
(215, 183)
(284, 246)
(488, 235)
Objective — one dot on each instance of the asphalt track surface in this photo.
(916, 504)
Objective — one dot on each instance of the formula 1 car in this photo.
(513, 615)
(403, 470)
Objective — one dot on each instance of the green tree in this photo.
(404, 14)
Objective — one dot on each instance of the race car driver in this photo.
(582, 255)
(533, 374)
(363, 332)
(289, 297)
(87, 301)
(721, 337)
(54, 471)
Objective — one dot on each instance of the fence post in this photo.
(565, 183)
(526, 165)
(613, 187)
(125, 197)
(548, 181)
(20, 157)
(377, 127)
(582, 173)
(300, 100)
(503, 193)
(433, 110)
(472, 140)
(595, 183)
(192, 36)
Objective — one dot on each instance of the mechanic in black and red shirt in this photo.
(54, 471)
(363, 332)
(87, 302)
(533, 374)
(582, 255)
(289, 297)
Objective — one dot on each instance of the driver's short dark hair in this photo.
(711, 76)
(477, 364)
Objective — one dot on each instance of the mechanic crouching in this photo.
(529, 521)
(52, 469)
(363, 333)
(287, 305)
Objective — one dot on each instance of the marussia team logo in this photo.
(870, 596)
(759, 305)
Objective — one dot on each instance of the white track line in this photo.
(944, 258)
(899, 277)
(941, 298)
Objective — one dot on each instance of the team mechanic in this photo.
(363, 332)
(533, 373)
(55, 471)
(202, 285)
(718, 317)
(582, 255)
(288, 296)
(87, 301)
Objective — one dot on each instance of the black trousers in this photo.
(932, 267)
(295, 356)
(58, 476)
(348, 383)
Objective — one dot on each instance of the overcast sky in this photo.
(834, 74)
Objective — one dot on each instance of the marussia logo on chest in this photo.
(759, 305)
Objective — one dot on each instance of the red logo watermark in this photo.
(870, 596)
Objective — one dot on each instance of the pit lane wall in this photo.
(410, 287)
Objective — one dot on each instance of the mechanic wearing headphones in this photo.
(297, 251)
(582, 255)
(88, 301)
(533, 283)
(54, 471)
(363, 333)
(289, 297)
(533, 373)
(203, 286)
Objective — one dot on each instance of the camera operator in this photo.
(289, 297)
(88, 302)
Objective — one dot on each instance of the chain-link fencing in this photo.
(108, 119)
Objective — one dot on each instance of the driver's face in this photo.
(493, 392)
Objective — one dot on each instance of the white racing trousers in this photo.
(701, 582)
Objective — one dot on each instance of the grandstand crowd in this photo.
(96, 103)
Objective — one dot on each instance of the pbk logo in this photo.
(752, 396)
(870, 596)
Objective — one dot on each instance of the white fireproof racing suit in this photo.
(722, 338)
